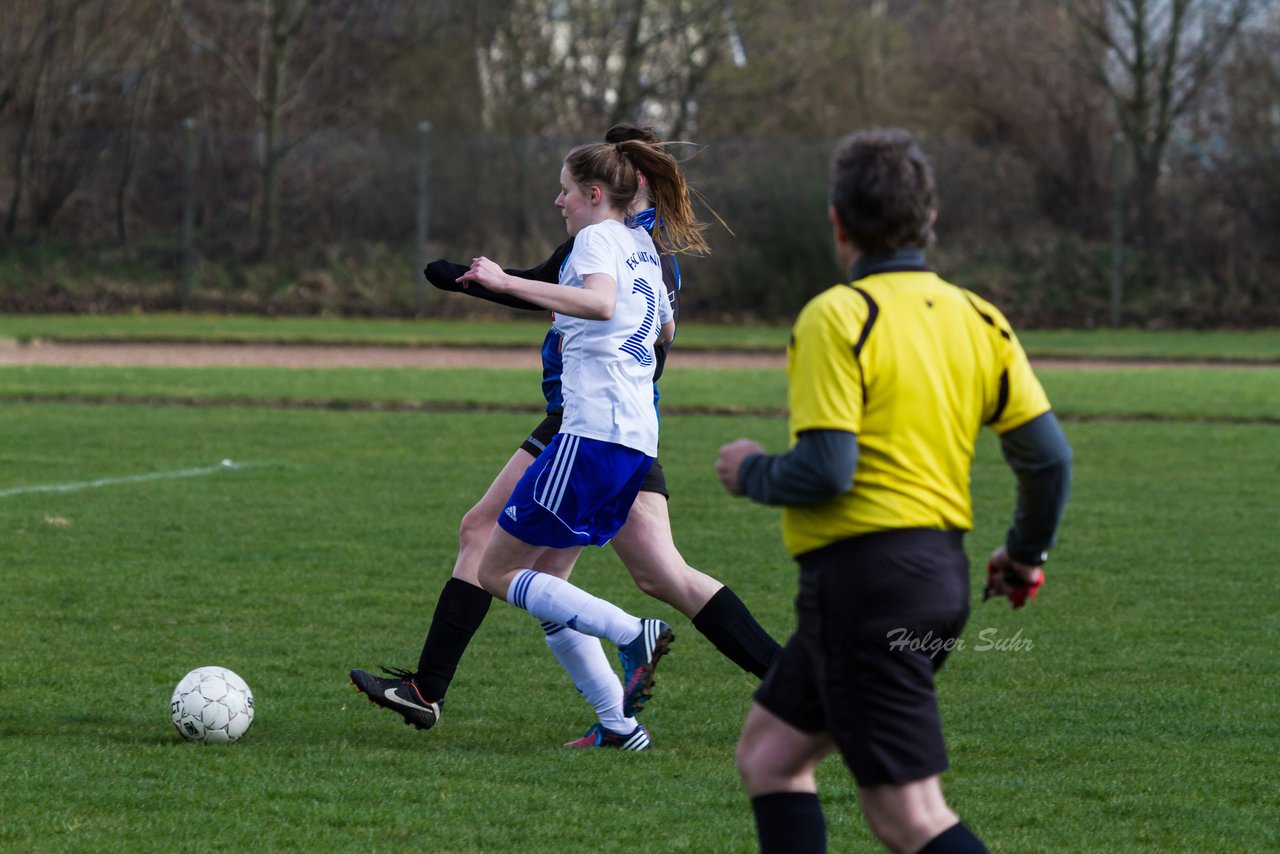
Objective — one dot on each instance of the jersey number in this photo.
(638, 345)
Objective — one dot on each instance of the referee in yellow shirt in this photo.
(891, 377)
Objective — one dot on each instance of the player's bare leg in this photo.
(505, 556)
(647, 549)
(478, 522)
(460, 609)
(505, 573)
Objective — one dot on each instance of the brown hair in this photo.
(614, 167)
(624, 132)
(883, 192)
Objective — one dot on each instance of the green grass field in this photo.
(1131, 707)
(1261, 345)
(1179, 392)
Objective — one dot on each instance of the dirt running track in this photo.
(319, 356)
(322, 356)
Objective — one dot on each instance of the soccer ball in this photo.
(213, 705)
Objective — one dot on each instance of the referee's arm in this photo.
(1041, 459)
(819, 466)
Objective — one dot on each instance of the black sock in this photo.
(459, 612)
(726, 622)
(790, 823)
(956, 839)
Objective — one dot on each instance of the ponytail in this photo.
(616, 166)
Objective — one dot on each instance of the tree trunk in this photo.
(626, 107)
(19, 180)
(139, 108)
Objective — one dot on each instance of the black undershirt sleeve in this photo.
(1041, 459)
(822, 463)
(444, 275)
(820, 466)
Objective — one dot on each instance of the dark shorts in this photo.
(536, 443)
(876, 617)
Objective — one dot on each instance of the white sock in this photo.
(555, 601)
(583, 658)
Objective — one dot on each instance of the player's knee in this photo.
(664, 577)
(492, 582)
(651, 584)
(477, 524)
(896, 836)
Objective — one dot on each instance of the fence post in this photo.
(424, 132)
(1117, 230)
(188, 209)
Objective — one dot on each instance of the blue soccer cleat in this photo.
(639, 660)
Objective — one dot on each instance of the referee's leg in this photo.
(777, 763)
(911, 816)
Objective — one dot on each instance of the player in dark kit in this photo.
(644, 544)
(891, 378)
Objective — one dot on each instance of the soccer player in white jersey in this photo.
(610, 307)
(609, 361)
(644, 544)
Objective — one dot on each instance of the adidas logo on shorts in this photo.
(511, 512)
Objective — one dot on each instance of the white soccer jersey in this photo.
(608, 364)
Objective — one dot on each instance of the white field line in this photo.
(225, 465)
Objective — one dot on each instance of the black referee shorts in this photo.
(537, 441)
(877, 615)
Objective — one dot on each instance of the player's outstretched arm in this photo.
(444, 275)
(595, 300)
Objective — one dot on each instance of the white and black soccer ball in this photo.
(213, 705)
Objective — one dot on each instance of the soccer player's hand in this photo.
(1007, 577)
(487, 273)
(730, 460)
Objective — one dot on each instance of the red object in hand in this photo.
(1019, 591)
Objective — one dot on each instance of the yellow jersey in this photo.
(914, 366)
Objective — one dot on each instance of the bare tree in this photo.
(265, 73)
(59, 95)
(668, 52)
(578, 65)
(30, 35)
(1020, 109)
(277, 52)
(272, 71)
(1152, 58)
(153, 28)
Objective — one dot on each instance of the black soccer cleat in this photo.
(399, 694)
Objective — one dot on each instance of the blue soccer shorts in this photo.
(578, 492)
(537, 441)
